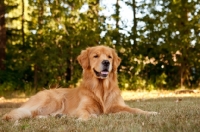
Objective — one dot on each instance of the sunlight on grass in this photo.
(13, 100)
(127, 95)
(134, 95)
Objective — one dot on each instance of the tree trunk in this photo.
(35, 76)
(22, 30)
(39, 43)
(117, 14)
(134, 28)
(2, 35)
(184, 44)
(182, 77)
(117, 19)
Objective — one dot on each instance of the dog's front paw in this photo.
(153, 113)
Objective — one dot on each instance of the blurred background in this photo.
(158, 41)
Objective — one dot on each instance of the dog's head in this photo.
(100, 60)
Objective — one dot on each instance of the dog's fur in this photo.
(97, 94)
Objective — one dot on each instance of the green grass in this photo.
(177, 114)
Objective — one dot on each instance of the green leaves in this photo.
(160, 49)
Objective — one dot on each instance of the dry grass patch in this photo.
(178, 113)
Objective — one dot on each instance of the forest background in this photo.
(40, 40)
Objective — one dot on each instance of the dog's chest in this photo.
(104, 100)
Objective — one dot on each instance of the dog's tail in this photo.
(18, 113)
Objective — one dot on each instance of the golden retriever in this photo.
(97, 94)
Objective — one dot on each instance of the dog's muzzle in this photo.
(105, 69)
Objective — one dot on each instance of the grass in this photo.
(178, 113)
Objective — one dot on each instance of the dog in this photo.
(97, 94)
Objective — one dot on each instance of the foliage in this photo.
(160, 50)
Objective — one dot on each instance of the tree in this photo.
(42, 39)
(2, 35)
(71, 31)
(168, 38)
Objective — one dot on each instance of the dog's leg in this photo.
(18, 113)
(83, 115)
(118, 108)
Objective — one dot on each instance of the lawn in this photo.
(178, 113)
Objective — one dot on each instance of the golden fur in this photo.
(97, 94)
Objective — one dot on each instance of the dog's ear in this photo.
(83, 59)
(116, 60)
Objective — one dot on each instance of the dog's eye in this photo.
(109, 57)
(96, 56)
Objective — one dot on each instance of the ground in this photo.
(179, 112)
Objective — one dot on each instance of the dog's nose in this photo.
(105, 63)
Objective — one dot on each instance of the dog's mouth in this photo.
(103, 74)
